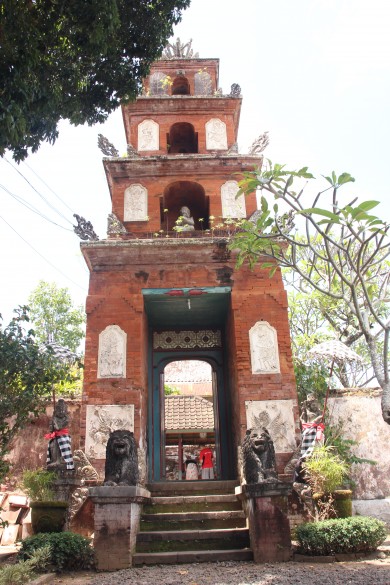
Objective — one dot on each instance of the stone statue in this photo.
(311, 411)
(59, 449)
(121, 459)
(185, 221)
(258, 454)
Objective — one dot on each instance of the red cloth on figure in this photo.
(206, 457)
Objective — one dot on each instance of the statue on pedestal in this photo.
(59, 449)
(185, 221)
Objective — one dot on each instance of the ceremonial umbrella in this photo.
(62, 354)
(339, 353)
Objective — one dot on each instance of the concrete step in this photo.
(193, 520)
(199, 487)
(195, 556)
(193, 503)
(185, 540)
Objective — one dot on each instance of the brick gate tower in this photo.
(164, 287)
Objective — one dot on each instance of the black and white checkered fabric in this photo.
(308, 440)
(64, 443)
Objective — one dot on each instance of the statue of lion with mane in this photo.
(121, 459)
(258, 455)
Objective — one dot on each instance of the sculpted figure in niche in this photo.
(59, 449)
(121, 459)
(264, 349)
(185, 221)
(112, 344)
(216, 137)
(258, 455)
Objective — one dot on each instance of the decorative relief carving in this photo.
(135, 203)
(203, 83)
(148, 135)
(84, 469)
(101, 421)
(179, 50)
(157, 85)
(232, 207)
(112, 353)
(114, 225)
(216, 137)
(264, 349)
(186, 339)
(277, 417)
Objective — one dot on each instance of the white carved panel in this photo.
(101, 421)
(135, 203)
(203, 83)
(264, 349)
(148, 135)
(277, 417)
(112, 353)
(232, 207)
(216, 136)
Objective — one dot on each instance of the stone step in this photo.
(199, 487)
(195, 556)
(193, 503)
(193, 520)
(181, 540)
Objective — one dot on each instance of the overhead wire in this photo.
(32, 208)
(48, 186)
(38, 192)
(43, 257)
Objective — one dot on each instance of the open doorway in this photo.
(191, 451)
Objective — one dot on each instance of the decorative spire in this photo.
(179, 50)
(107, 148)
(84, 229)
(259, 144)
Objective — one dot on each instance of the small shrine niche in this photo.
(182, 138)
(180, 86)
(184, 194)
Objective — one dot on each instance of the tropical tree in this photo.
(27, 375)
(74, 60)
(342, 252)
(54, 317)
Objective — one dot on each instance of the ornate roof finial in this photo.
(259, 144)
(84, 229)
(179, 50)
(107, 148)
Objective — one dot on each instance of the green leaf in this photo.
(345, 178)
(367, 205)
(317, 211)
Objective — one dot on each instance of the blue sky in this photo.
(314, 73)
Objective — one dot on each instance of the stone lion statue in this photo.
(121, 459)
(258, 455)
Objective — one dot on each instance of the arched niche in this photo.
(182, 138)
(148, 135)
(232, 207)
(203, 83)
(264, 349)
(216, 136)
(184, 193)
(135, 203)
(180, 86)
(157, 85)
(112, 353)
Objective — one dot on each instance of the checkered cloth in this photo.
(312, 433)
(64, 443)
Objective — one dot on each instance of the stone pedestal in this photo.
(117, 517)
(265, 506)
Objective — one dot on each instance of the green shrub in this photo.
(38, 484)
(69, 551)
(341, 535)
(24, 571)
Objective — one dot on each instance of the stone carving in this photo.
(148, 135)
(131, 151)
(259, 144)
(258, 455)
(233, 149)
(136, 203)
(157, 85)
(121, 459)
(203, 83)
(107, 148)
(84, 469)
(114, 225)
(264, 349)
(84, 229)
(78, 497)
(101, 421)
(185, 222)
(235, 90)
(186, 339)
(232, 207)
(216, 137)
(277, 416)
(142, 468)
(59, 448)
(179, 50)
(112, 353)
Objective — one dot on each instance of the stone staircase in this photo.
(192, 521)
